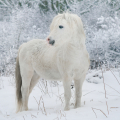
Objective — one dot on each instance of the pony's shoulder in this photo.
(35, 41)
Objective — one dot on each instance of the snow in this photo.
(46, 101)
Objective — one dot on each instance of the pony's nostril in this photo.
(52, 42)
(48, 39)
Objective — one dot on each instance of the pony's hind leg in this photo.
(34, 81)
(26, 79)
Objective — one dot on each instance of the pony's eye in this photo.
(60, 26)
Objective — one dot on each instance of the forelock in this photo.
(65, 16)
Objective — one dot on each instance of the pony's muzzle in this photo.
(52, 42)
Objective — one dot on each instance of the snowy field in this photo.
(100, 99)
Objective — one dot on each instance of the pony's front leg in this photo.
(67, 92)
(78, 90)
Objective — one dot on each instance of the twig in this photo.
(7, 114)
(88, 92)
(41, 87)
(62, 114)
(114, 107)
(87, 9)
(44, 108)
(47, 89)
(109, 94)
(112, 88)
(114, 76)
(56, 118)
(104, 83)
(37, 101)
(94, 112)
(37, 113)
(33, 116)
(59, 96)
(23, 117)
(107, 107)
(100, 101)
(101, 111)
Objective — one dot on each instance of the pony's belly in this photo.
(49, 74)
(52, 76)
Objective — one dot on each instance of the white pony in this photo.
(63, 56)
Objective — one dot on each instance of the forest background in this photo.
(23, 20)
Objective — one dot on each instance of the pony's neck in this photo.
(72, 44)
(78, 42)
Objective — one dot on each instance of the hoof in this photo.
(77, 106)
(24, 109)
(66, 108)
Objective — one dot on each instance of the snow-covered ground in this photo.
(46, 101)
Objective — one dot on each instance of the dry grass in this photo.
(93, 109)
(41, 107)
(99, 110)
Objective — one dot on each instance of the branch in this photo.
(88, 92)
(94, 112)
(7, 4)
(114, 107)
(6, 1)
(114, 76)
(114, 52)
(118, 9)
(85, 11)
(104, 83)
(101, 111)
(3, 3)
(107, 107)
(2, 6)
(42, 3)
(112, 88)
(108, 94)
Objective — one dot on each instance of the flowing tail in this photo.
(18, 80)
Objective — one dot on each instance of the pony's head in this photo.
(66, 27)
